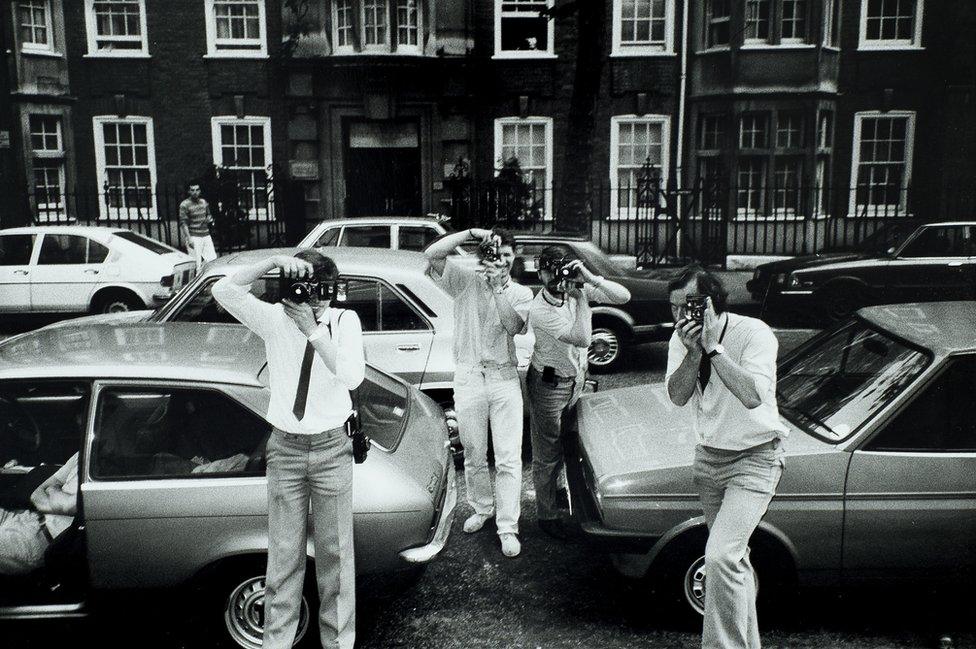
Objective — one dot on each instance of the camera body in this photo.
(300, 291)
(489, 251)
(560, 269)
(695, 307)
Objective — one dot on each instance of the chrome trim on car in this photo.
(796, 292)
(427, 552)
(42, 611)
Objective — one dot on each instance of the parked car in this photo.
(74, 269)
(937, 261)
(880, 464)
(396, 232)
(616, 327)
(168, 419)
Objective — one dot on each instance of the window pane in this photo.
(363, 298)
(416, 237)
(396, 315)
(522, 27)
(366, 236)
(42, 422)
(15, 249)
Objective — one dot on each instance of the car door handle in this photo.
(955, 264)
(408, 348)
(20, 272)
(91, 271)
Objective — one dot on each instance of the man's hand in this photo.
(293, 267)
(302, 315)
(584, 272)
(574, 292)
(689, 333)
(495, 275)
(711, 329)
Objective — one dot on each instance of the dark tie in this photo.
(301, 396)
(704, 370)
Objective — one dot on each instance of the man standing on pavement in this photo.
(561, 320)
(195, 223)
(724, 367)
(315, 357)
(489, 310)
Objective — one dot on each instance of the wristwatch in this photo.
(718, 349)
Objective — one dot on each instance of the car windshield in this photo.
(147, 243)
(886, 237)
(844, 378)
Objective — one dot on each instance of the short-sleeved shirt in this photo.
(195, 214)
(721, 420)
(479, 336)
(551, 320)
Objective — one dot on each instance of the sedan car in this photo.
(616, 327)
(936, 262)
(74, 269)
(880, 479)
(394, 232)
(168, 421)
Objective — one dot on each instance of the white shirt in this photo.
(550, 321)
(478, 332)
(67, 475)
(721, 421)
(328, 404)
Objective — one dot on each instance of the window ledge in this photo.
(513, 56)
(638, 53)
(105, 55)
(714, 50)
(50, 54)
(777, 46)
(409, 55)
(832, 48)
(893, 47)
(236, 55)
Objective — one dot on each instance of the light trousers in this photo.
(483, 395)
(202, 249)
(735, 488)
(314, 469)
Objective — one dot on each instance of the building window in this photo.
(34, 22)
(126, 166)
(643, 27)
(786, 186)
(343, 16)
(521, 30)
(243, 145)
(408, 24)
(793, 21)
(891, 24)
(831, 22)
(527, 143)
(47, 145)
(757, 21)
(712, 132)
(752, 131)
(638, 161)
(717, 18)
(377, 27)
(236, 28)
(825, 130)
(882, 162)
(116, 27)
(751, 187)
(789, 131)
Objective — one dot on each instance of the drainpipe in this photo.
(682, 91)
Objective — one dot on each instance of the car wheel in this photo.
(606, 348)
(116, 302)
(839, 301)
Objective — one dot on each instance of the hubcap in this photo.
(244, 616)
(604, 347)
(116, 307)
(695, 585)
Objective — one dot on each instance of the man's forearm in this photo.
(252, 273)
(681, 385)
(326, 350)
(185, 233)
(581, 333)
(615, 292)
(510, 319)
(445, 247)
(739, 382)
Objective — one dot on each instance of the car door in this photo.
(67, 272)
(16, 251)
(938, 263)
(911, 489)
(396, 337)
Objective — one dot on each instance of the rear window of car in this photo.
(151, 245)
(383, 404)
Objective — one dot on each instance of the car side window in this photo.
(397, 315)
(59, 249)
(935, 421)
(416, 237)
(366, 236)
(942, 241)
(164, 432)
(363, 297)
(41, 422)
(96, 252)
(329, 238)
(202, 307)
(15, 249)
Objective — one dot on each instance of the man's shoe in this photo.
(554, 528)
(475, 522)
(510, 544)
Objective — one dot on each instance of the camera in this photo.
(695, 307)
(301, 291)
(489, 251)
(560, 268)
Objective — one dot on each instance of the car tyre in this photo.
(838, 301)
(116, 302)
(607, 347)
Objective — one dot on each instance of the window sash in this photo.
(757, 21)
(752, 132)
(237, 22)
(900, 28)
(115, 20)
(717, 23)
(244, 145)
(751, 187)
(126, 164)
(530, 141)
(408, 24)
(793, 23)
(643, 23)
(375, 27)
(636, 142)
(510, 13)
(34, 23)
(49, 193)
(45, 135)
(881, 168)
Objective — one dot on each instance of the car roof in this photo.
(943, 327)
(351, 261)
(550, 236)
(361, 220)
(215, 353)
(97, 231)
(943, 223)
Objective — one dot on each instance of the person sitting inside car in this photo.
(25, 534)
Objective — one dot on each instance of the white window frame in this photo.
(548, 53)
(407, 48)
(915, 43)
(351, 47)
(375, 48)
(93, 37)
(254, 214)
(755, 40)
(49, 158)
(106, 211)
(831, 20)
(805, 18)
(882, 210)
(708, 21)
(547, 123)
(621, 213)
(32, 47)
(626, 49)
(218, 48)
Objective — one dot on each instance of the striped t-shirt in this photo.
(196, 215)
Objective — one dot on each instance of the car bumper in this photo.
(442, 529)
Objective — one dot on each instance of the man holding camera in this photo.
(315, 357)
(562, 322)
(490, 309)
(724, 366)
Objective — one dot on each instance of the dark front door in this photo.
(382, 168)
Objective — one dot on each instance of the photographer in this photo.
(490, 309)
(723, 366)
(315, 357)
(561, 319)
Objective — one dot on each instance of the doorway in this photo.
(382, 161)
